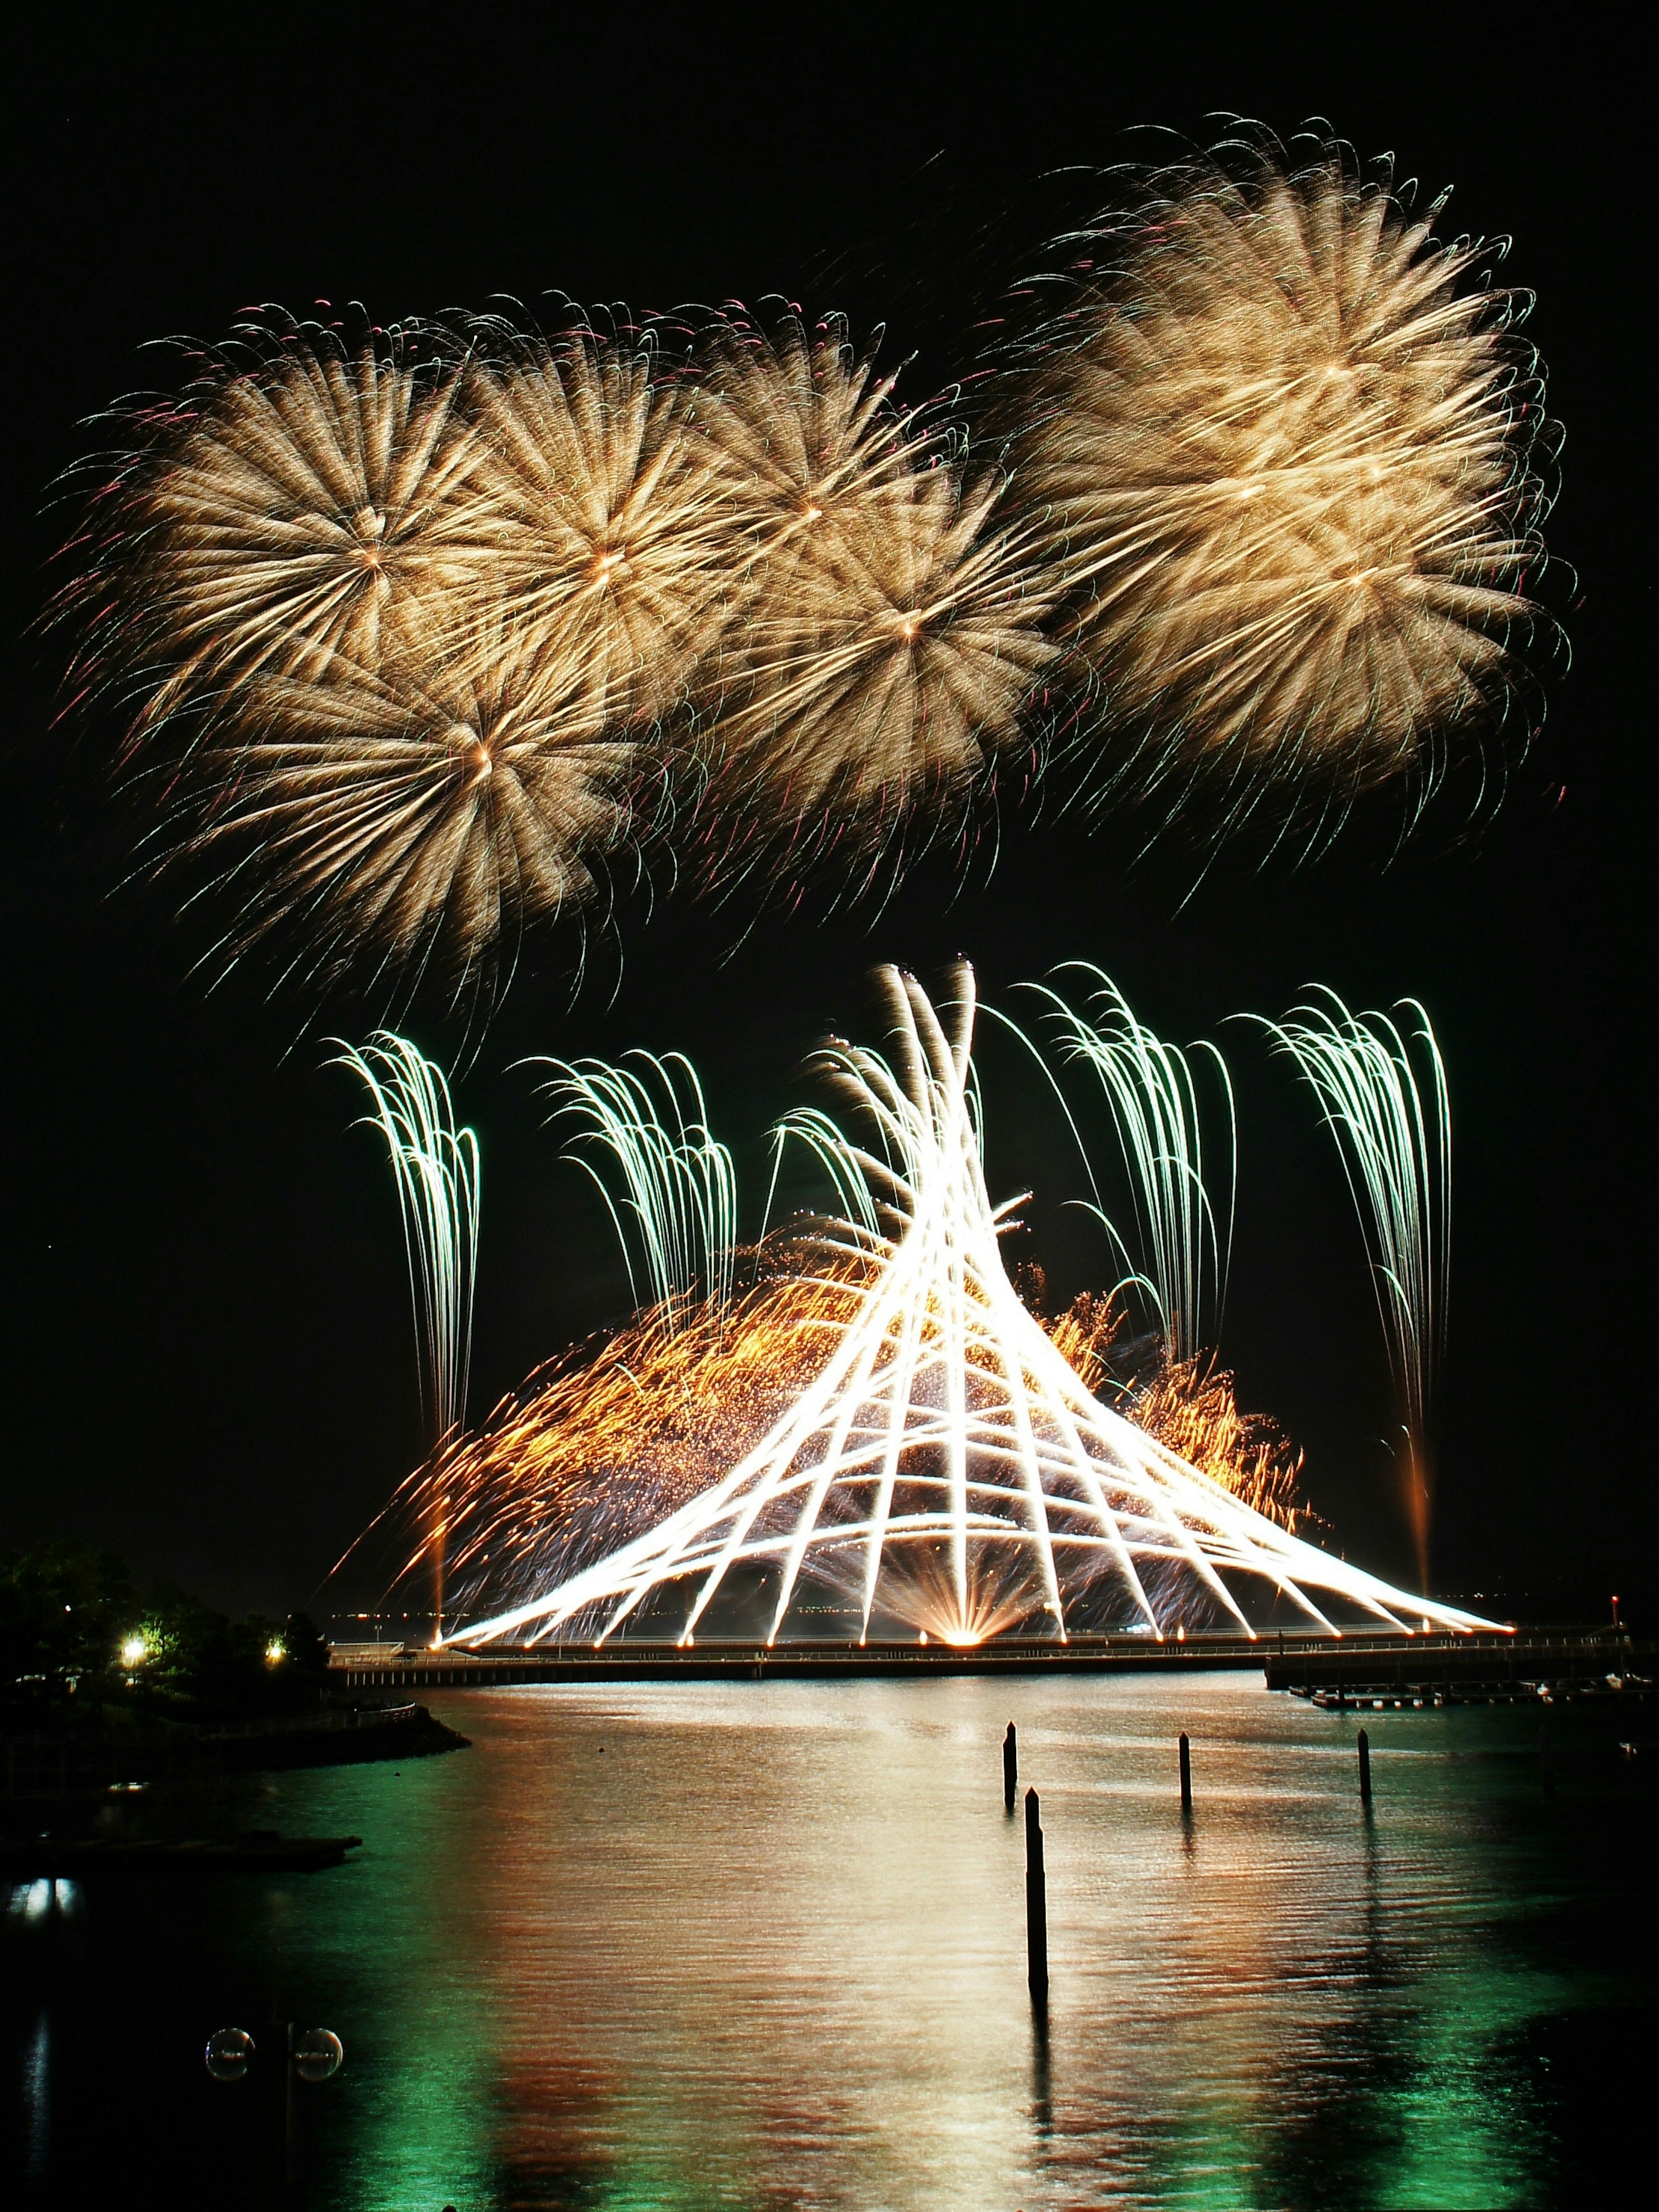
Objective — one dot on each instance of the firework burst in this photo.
(422, 808)
(622, 552)
(309, 499)
(1285, 444)
(892, 638)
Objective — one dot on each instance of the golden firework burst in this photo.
(892, 636)
(422, 806)
(1282, 442)
(307, 500)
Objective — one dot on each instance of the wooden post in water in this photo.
(1365, 1767)
(1036, 1907)
(1186, 1774)
(1009, 1768)
(274, 2066)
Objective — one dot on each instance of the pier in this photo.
(1361, 1665)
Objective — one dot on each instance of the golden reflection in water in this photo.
(765, 1944)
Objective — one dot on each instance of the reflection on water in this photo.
(701, 1945)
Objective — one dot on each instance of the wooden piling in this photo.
(1036, 1907)
(273, 2063)
(1186, 1774)
(1365, 1767)
(1009, 1768)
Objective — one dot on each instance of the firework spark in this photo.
(598, 1446)
(436, 1168)
(424, 808)
(678, 1210)
(304, 498)
(1180, 1265)
(1395, 1148)
(892, 639)
(622, 552)
(942, 1416)
(1284, 440)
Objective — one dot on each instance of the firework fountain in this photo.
(944, 1446)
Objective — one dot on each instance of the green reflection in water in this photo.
(409, 2121)
(668, 1948)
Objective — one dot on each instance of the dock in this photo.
(1304, 1664)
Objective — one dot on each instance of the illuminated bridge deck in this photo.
(1358, 1663)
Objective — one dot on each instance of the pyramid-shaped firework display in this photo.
(945, 1445)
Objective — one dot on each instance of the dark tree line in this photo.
(77, 1638)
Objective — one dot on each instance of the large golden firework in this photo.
(308, 499)
(1282, 442)
(406, 615)
(892, 636)
(621, 553)
(422, 805)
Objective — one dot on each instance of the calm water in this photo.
(700, 1946)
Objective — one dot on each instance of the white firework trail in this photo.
(436, 1168)
(675, 1210)
(1393, 1133)
(1182, 1244)
(946, 1435)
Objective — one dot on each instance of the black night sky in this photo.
(207, 1350)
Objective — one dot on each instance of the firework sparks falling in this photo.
(1191, 1407)
(436, 1169)
(679, 1203)
(1181, 1262)
(1284, 440)
(1395, 1148)
(942, 1416)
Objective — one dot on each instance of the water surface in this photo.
(763, 1945)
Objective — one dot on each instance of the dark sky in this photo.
(207, 1353)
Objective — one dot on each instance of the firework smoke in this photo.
(1284, 441)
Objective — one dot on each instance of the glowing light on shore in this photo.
(944, 1442)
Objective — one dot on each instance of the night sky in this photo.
(208, 1354)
